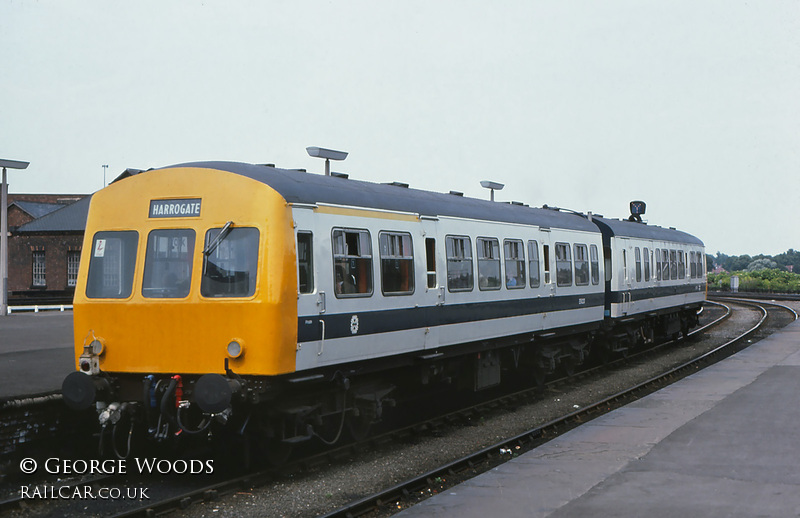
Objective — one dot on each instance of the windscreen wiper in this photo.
(217, 240)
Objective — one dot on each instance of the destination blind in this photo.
(180, 208)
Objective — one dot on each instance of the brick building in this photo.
(46, 235)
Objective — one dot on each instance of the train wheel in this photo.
(568, 365)
(538, 376)
(358, 427)
(277, 452)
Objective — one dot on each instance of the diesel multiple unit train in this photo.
(288, 306)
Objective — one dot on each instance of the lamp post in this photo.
(11, 164)
(328, 155)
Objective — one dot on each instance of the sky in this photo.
(691, 106)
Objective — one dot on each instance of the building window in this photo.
(352, 263)
(515, 263)
(305, 263)
(459, 263)
(73, 263)
(39, 278)
(533, 263)
(581, 266)
(397, 263)
(563, 265)
(488, 263)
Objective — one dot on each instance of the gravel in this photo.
(370, 469)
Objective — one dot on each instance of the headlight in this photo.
(235, 348)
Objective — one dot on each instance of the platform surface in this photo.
(724, 442)
(36, 352)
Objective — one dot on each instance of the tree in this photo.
(761, 264)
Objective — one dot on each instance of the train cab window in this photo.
(646, 253)
(352, 263)
(459, 263)
(112, 264)
(533, 263)
(595, 263)
(563, 265)
(168, 263)
(430, 261)
(397, 263)
(581, 265)
(665, 265)
(230, 262)
(681, 264)
(488, 264)
(514, 254)
(673, 264)
(305, 263)
(638, 257)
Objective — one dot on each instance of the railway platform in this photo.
(35, 353)
(720, 443)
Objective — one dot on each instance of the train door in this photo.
(625, 280)
(433, 264)
(548, 263)
(312, 251)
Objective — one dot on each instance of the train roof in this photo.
(308, 188)
(625, 228)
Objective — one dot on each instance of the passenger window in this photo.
(563, 265)
(430, 258)
(459, 263)
(595, 260)
(230, 262)
(581, 266)
(658, 264)
(515, 263)
(305, 263)
(488, 264)
(638, 258)
(646, 264)
(533, 263)
(673, 265)
(168, 264)
(397, 263)
(681, 264)
(665, 265)
(352, 263)
(112, 264)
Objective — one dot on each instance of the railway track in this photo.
(387, 500)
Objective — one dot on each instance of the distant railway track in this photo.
(179, 495)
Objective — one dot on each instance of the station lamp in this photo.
(328, 155)
(5, 164)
